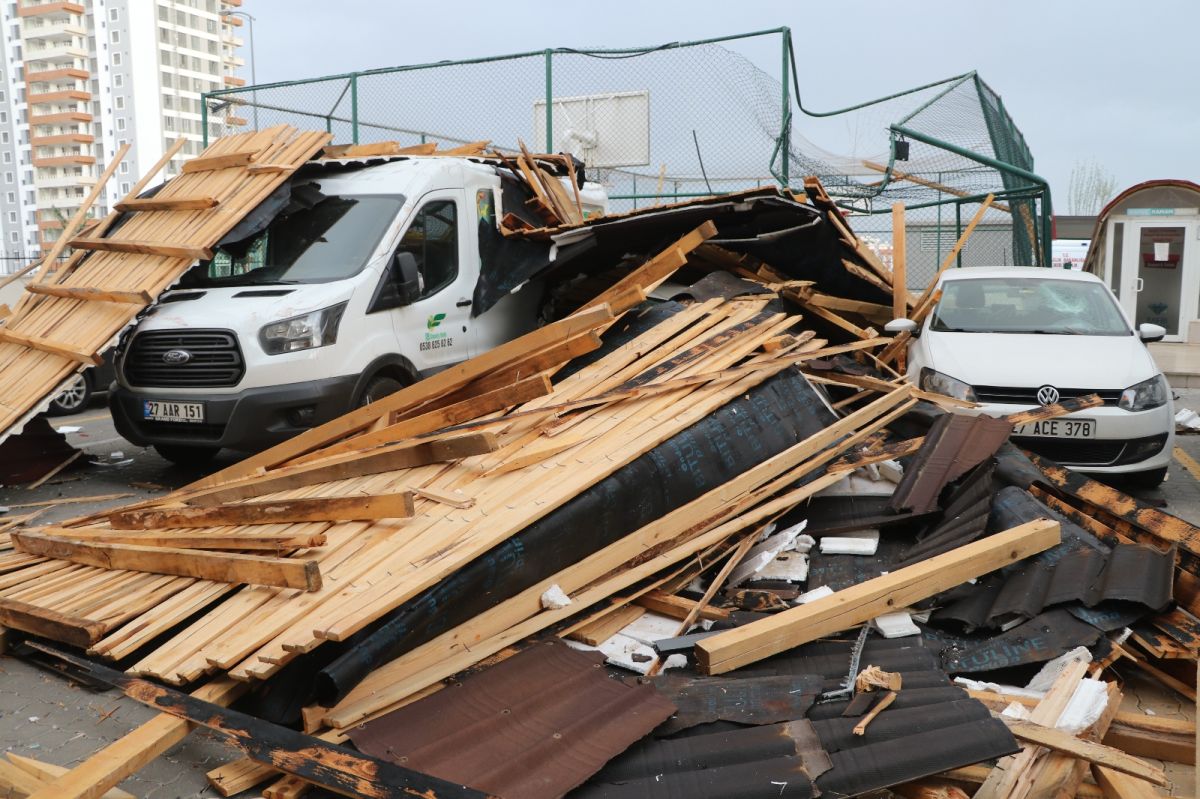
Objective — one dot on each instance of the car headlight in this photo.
(316, 329)
(1145, 395)
(938, 383)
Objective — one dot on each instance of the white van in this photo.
(360, 282)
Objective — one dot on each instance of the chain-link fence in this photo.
(665, 123)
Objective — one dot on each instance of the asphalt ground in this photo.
(44, 717)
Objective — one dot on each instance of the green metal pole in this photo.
(204, 116)
(354, 107)
(785, 128)
(958, 231)
(549, 101)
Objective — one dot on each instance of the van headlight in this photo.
(1145, 395)
(938, 383)
(316, 329)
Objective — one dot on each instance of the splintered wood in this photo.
(69, 316)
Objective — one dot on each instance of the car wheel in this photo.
(378, 388)
(185, 455)
(1149, 479)
(73, 398)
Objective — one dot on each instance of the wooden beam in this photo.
(163, 248)
(275, 542)
(677, 607)
(48, 772)
(167, 204)
(47, 345)
(317, 509)
(1121, 786)
(220, 567)
(659, 267)
(337, 768)
(861, 603)
(97, 295)
(899, 263)
(354, 464)
(50, 624)
(209, 163)
(1068, 744)
(101, 772)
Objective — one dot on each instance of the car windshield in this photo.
(328, 241)
(1028, 305)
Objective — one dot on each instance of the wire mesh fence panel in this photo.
(661, 124)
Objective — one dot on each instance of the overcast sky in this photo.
(1116, 82)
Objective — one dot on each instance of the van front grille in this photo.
(213, 359)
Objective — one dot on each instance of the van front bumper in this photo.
(250, 420)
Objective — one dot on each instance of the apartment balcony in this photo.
(54, 75)
(62, 139)
(234, 61)
(65, 30)
(234, 21)
(65, 160)
(233, 80)
(52, 9)
(60, 118)
(53, 223)
(59, 97)
(234, 3)
(57, 53)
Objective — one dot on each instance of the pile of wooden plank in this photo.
(248, 577)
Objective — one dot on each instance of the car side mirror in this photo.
(407, 277)
(1148, 332)
(901, 325)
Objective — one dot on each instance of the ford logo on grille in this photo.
(176, 356)
(1047, 395)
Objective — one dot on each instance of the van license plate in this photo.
(188, 412)
(1058, 428)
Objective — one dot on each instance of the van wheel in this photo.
(1150, 479)
(73, 398)
(184, 455)
(378, 388)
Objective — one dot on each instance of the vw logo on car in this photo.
(176, 356)
(1047, 395)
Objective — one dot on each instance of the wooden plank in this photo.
(354, 464)
(101, 772)
(1054, 411)
(861, 603)
(74, 456)
(597, 632)
(209, 163)
(1068, 744)
(90, 294)
(677, 607)
(46, 345)
(899, 263)
(518, 350)
(661, 266)
(167, 204)
(220, 567)
(317, 509)
(274, 542)
(50, 624)
(875, 312)
(1121, 786)
(48, 772)
(162, 248)
(337, 768)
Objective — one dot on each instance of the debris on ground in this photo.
(709, 546)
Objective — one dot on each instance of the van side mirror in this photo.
(407, 277)
(399, 286)
(901, 325)
(1148, 332)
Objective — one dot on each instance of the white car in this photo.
(1012, 338)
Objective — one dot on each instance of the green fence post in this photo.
(354, 107)
(958, 232)
(204, 116)
(549, 101)
(785, 127)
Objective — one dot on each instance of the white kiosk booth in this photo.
(1147, 248)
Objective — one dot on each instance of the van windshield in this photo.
(1025, 305)
(331, 240)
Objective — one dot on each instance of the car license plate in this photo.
(1058, 428)
(188, 412)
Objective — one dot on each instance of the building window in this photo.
(124, 167)
(121, 123)
(7, 156)
(116, 59)
(12, 196)
(116, 37)
(13, 237)
(112, 14)
(8, 177)
(120, 103)
(124, 188)
(12, 217)
(118, 81)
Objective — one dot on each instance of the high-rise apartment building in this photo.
(80, 78)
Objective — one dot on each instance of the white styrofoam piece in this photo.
(651, 627)
(1016, 710)
(1012, 690)
(816, 593)
(896, 625)
(921, 615)
(804, 543)
(891, 470)
(871, 472)
(554, 598)
(620, 650)
(1052, 668)
(1187, 420)
(864, 542)
(1087, 704)
(762, 554)
(674, 662)
(856, 486)
(789, 566)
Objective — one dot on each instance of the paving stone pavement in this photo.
(45, 717)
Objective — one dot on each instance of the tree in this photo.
(1091, 187)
